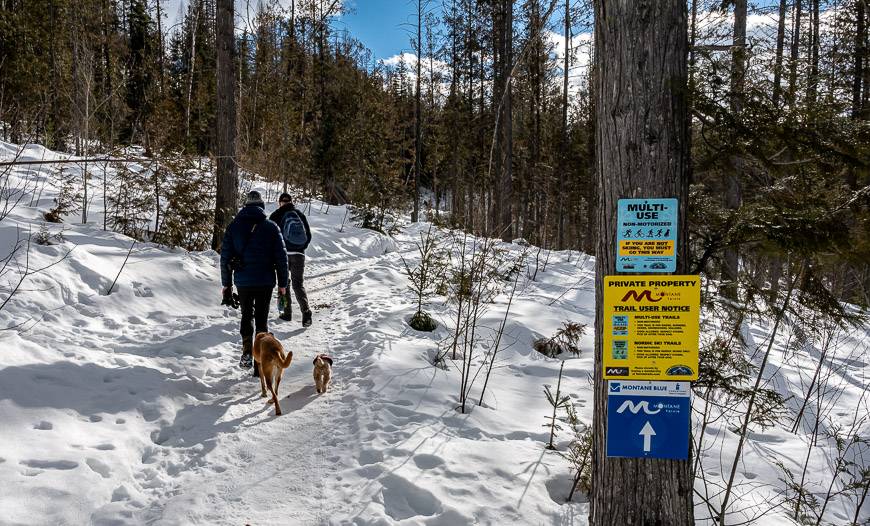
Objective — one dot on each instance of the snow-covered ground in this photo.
(130, 409)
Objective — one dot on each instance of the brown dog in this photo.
(322, 372)
(271, 360)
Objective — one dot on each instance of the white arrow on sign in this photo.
(648, 432)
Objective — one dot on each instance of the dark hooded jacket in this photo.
(278, 217)
(263, 256)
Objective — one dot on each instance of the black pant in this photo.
(297, 271)
(255, 309)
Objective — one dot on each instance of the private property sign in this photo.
(646, 235)
(651, 327)
(648, 419)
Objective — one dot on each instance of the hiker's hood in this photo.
(253, 212)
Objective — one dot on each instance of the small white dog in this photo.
(322, 372)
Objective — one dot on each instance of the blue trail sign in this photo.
(648, 419)
(646, 234)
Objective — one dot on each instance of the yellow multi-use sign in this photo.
(651, 327)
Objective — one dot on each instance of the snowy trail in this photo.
(265, 469)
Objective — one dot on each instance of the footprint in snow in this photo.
(370, 456)
(141, 291)
(403, 499)
(120, 493)
(425, 461)
(50, 464)
(99, 467)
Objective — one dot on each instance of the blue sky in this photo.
(383, 26)
(378, 24)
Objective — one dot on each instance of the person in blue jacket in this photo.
(253, 256)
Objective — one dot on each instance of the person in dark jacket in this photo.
(297, 237)
(253, 256)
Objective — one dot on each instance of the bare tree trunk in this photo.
(795, 49)
(693, 37)
(196, 6)
(860, 53)
(494, 212)
(506, 195)
(813, 81)
(734, 192)
(643, 47)
(563, 157)
(160, 43)
(227, 171)
(418, 114)
(780, 47)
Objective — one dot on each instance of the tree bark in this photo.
(793, 59)
(860, 53)
(194, 29)
(813, 81)
(507, 135)
(642, 150)
(227, 172)
(563, 146)
(162, 50)
(780, 48)
(733, 191)
(418, 114)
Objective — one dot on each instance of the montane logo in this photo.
(616, 371)
(633, 294)
(643, 405)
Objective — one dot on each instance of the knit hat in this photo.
(254, 198)
(285, 197)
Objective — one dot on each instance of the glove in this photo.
(230, 299)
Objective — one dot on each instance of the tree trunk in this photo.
(693, 37)
(793, 59)
(860, 53)
(506, 122)
(642, 150)
(780, 47)
(162, 50)
(733, 191)
(563, 146)
(227, 172)
(813, 81)
(418, 114)
(193, 31)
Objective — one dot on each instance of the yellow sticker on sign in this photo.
(651, 327)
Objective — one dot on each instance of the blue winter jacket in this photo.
(263, 256)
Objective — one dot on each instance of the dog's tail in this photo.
(287, 359)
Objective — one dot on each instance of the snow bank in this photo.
(129, 408)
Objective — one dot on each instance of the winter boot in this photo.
(306, 318)
(285, 307)
(247, 359)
